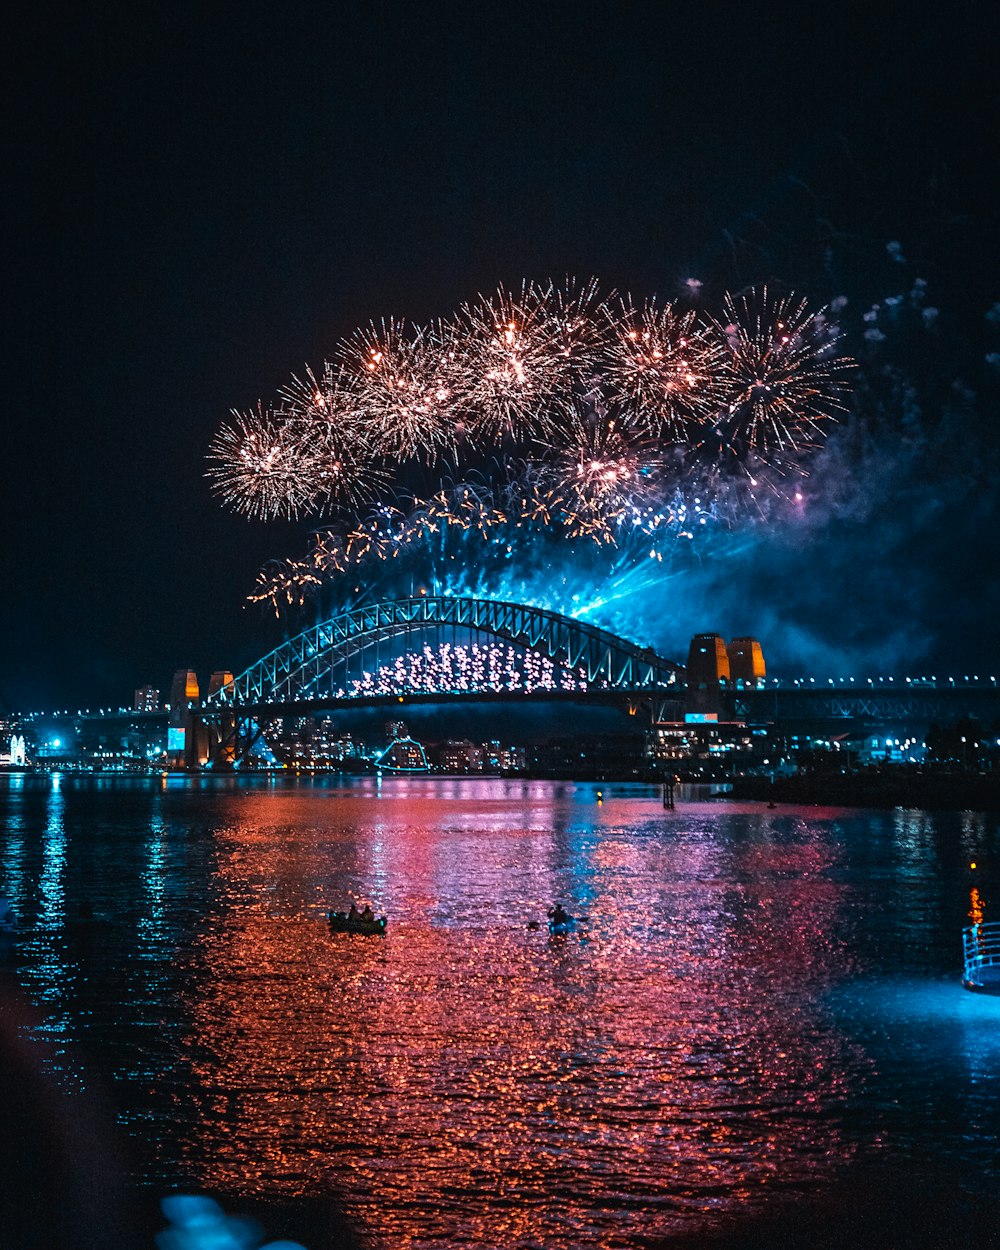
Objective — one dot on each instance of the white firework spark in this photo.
(601, 472)
(523, 355)
(662, 368)
(780, 381)
(263, 467)
(325, 415)
(406, 384)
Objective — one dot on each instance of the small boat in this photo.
(981, 957)
(344, 922)
(560, 921)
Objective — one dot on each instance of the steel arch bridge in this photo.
(318, 666)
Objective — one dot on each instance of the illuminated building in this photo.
(16, 756)
(461, 756)
(331, 746)
(146, 699)
(312, 742)
(124, 743)
(512, 759)
(500, 759)
(405, 755)
(14, 746)
(708, 746)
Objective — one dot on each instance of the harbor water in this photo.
(754, 1007)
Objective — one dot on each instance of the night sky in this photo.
(199, 199)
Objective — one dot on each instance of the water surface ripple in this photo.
(755, 999)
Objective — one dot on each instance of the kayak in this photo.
(341, 922)
(561, 928)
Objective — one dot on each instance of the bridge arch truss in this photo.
(320, 664)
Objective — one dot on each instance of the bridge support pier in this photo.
(230, 737)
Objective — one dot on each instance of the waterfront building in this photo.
(330, 746)
(512, 759)
(16, 755)
(709, 745)
(404, 755)
(461, 756)
(123, 743)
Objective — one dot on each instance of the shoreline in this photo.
(885, 789)
(934, 792)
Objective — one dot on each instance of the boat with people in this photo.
(354, 921)
(560, 921)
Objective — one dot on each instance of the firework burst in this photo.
(263, 466)
(662, 368)
(406, 383)
(323, 414)
(601, 473)
(523, 356)
(562, 415)
(781, 384)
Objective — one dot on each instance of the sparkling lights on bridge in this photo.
(459, 669)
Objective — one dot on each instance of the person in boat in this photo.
(559, 915)
(367, 915)
(353, 914)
